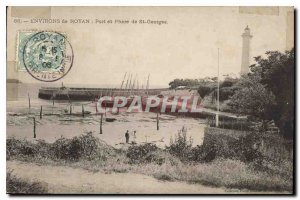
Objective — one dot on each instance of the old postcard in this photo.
(150, 100)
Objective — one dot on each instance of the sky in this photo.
(185, 47)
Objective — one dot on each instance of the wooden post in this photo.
(105, 108)
(101, 123)
(41, 112)
(29, 105)
(157, 121)
(96, 107)
(70, 109)
(82, 110)
(34, 134)
(52, 104)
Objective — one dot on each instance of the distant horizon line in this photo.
(58, 83)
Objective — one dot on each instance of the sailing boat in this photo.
(129, 86)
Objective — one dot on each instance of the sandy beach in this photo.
(52, 127)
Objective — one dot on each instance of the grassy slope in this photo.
(15, 185)
(220, 172)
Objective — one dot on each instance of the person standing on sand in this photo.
(134, 136)
(127, 136)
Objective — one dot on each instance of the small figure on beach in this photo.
(127, 136)
(134, 136)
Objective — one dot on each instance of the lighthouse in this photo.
(246, 51)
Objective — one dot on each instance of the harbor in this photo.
(56, 121)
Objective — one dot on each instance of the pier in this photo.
(90, 94)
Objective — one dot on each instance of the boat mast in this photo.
(133, 84)
(129, 86)
(147, 87)
(127, 82)
(144, 86)
(123, 80)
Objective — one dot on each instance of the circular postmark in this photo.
(48, 56)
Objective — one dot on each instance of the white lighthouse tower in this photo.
(246, 51)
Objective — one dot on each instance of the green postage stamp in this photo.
(45, 55)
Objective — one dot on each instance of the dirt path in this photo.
(70, 180)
